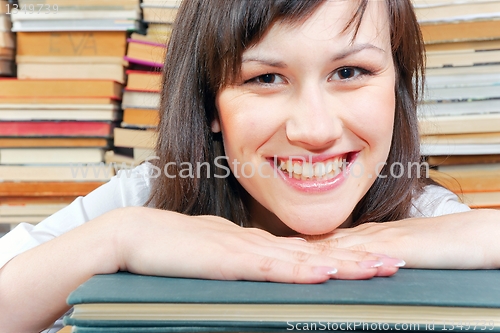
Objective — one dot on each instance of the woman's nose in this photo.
(314, 121)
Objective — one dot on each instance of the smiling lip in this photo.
(314, 184)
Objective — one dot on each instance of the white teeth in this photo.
(329, 167)
(297, 169)
(320, 170)
(307, 170)
(337, 167)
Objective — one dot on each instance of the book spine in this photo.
(48, 128)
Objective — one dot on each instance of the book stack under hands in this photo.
(460, 114)
(53, 135)
(412, 300)
(7, 41)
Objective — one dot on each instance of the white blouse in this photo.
(132, 188)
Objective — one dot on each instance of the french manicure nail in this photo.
(325, 270)
(393, 262)
(298, 238)
(370, 263)
(402, 263)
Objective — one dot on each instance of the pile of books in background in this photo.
(460, 115)
(135, 139)
(159, 15)
(57, 117)
(45, 163)
(7, 40)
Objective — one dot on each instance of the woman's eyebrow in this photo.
(264, 61)
(355, 49)
(339, 56)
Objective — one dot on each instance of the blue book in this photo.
(411, 300)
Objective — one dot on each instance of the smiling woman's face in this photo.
(311, 117)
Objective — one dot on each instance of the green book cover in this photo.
(411, 300)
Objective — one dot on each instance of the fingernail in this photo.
(298, 238)
(393, 262)
(324, 270)
(370, 263)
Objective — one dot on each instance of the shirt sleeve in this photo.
(128, 188)
(437, 201)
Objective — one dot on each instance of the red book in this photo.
(56, 128)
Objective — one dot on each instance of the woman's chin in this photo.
(314, 224)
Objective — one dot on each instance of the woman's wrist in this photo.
(113, 232)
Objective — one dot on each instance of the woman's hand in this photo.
(457, 241)
(156, 242)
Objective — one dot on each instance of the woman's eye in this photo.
(347, 73)
(267, 79)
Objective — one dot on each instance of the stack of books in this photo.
(76, 15)
(71, 55)
(141, 98)
(159, 15)
(136, 137)
(460, 114)
(73, 39)
(7, 40)
(412, 300)
(52, 137)
(57, 117)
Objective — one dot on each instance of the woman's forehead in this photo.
(333, 21)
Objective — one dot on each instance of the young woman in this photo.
(310, 105)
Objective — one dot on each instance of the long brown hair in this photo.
(204, 55)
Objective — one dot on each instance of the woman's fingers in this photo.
(297, 250)
(300, 261)
(349, 245)
(328, 252)
(266, 268)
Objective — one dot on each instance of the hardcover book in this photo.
(145, 53)
(42, 189)
(458, 31)
(421, 299)
(72, 44)
(56, 128)
(13, 88)
(455, 11)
